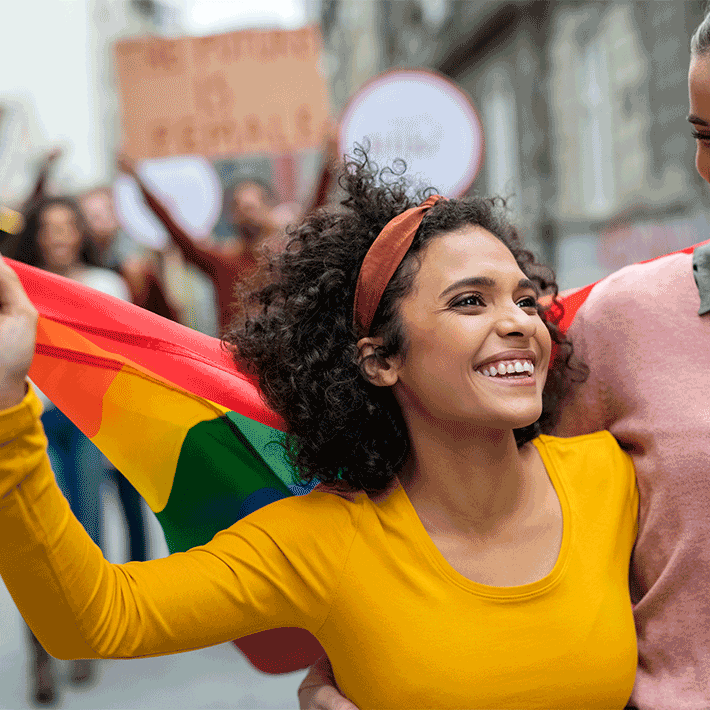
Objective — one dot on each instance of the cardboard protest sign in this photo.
(421, 117)
(251, 91)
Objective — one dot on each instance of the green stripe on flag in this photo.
(268, 443)
(220, 477)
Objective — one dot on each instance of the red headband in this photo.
(381, 261)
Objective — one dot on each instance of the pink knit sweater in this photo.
(649, 356)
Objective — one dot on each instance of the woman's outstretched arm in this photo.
(260, 573)
(40, 185)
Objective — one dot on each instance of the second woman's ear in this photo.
(377, 370)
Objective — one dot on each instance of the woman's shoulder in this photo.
(599, 445)
(316, 529)
(592, 467)
(319, 508)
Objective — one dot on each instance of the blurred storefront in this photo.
(583, 108)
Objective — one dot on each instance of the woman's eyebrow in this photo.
(486, 282)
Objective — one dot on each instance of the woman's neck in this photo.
(471, 482)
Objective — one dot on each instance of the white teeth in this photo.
(510, 368)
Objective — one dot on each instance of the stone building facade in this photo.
(583, 108)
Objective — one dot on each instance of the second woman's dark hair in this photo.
(297, 332)
(25, 248)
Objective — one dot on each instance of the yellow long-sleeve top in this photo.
(402, 628)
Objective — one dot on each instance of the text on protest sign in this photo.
(252, 91)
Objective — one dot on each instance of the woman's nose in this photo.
(516, 322)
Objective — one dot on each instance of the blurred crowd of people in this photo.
(191, 281)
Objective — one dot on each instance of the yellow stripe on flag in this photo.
(143, 427)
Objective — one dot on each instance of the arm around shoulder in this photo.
(318, 691)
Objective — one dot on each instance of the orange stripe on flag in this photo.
(80, 381)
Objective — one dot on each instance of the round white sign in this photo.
(190, 189)
(422, 118)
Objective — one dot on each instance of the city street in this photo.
(217, 677)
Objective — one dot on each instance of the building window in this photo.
(598, 93)
(596, 131)
(501, 130)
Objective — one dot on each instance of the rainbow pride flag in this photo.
(170, 409)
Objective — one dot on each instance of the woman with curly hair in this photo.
(405, 346)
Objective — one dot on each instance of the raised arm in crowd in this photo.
(252, 204)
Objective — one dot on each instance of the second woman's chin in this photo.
(61, 259)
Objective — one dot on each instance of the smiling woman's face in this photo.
(472, 311)
(59, 239)
(699, 115)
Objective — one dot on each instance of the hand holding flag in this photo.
(18, 327)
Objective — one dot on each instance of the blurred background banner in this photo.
(420, 117)
(244, 92)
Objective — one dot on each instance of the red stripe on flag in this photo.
(73, 356)
(71, 375)
(193, 361)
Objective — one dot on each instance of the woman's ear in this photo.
(377, 370)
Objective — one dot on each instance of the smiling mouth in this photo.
(508, 370)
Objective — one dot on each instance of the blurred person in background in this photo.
(159, 280)
(109, 247)
(114, 246)
(644, 333)
(55, 238)
(258, 221)
(138, 265)
(222, 262)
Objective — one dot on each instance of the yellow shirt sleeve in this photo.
(260, 573)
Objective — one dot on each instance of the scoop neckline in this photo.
(531, 589)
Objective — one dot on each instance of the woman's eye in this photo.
(528, 302)
(703, 137)
(473, 300)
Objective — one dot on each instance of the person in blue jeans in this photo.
(78, 467)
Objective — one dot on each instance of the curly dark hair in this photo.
(296, 333)
(24, 246)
